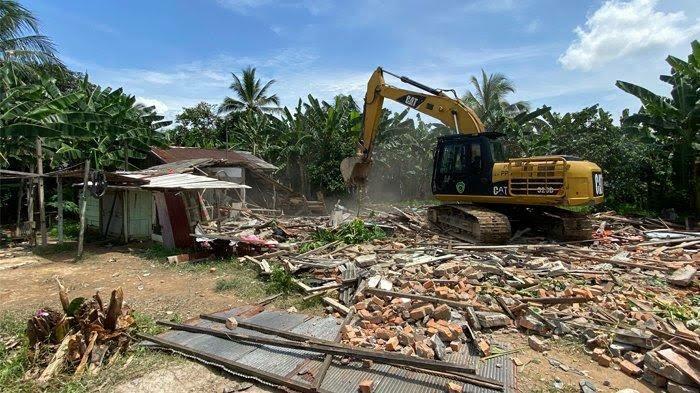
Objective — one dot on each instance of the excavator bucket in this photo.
(355, 170)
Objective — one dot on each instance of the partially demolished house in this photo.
(265, 193)
(187, 187)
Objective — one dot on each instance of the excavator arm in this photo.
(450, 111)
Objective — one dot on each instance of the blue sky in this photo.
(566, 54)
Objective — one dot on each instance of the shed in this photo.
(150, 205)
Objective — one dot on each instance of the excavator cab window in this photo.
(475, 157)
(463, 164)
(497, 151)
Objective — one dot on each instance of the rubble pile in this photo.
(630, 294)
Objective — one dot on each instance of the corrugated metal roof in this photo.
(184, 181)
(231, 157)
(302, 365)
(183, 165)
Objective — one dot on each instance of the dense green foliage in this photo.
(648, 158)
(104, 126)
(353, 232)
(671, 124)
(20, 40)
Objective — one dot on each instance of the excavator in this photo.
(485, 194)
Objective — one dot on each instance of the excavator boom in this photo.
(450, 111)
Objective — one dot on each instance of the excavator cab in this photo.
(463, 164)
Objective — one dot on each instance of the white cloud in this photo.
(618, 29)
(161, 107)
(532, 26)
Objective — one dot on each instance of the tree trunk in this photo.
(40, 180)
(126, 156)
(83, 207)
(59, 194)
(302, 178)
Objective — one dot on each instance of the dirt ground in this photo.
(150, 287)
(189, 377)
(27, 282)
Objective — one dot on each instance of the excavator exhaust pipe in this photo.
(355, 170)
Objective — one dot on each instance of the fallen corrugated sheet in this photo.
(301, 366)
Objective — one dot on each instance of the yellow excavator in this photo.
(486, 193)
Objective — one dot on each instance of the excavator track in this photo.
(471, 223)
(566, 225)
(493, 226)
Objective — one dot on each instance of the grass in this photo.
(158, 252)
(147, 324)
(237, 277)
(243, 282)
(56, 248)
(13, 362)
(281, 282)
(71, 229)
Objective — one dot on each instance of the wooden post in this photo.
(40, 180)
(59, 192)
(125, 215)
(30, 207)
(83, 207)
(19, 207)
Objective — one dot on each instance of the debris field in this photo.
(629, 295)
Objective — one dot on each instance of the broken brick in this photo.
(366, 386)
(442, 312)
(453, 387)
(424, 351)
(536, 344)
(630, 369)
(419, 313)
(392, 344)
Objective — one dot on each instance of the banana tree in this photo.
(125, 129)
(335, 129)
(675, 120)
(295, 145)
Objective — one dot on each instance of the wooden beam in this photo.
(336, 306)
(40, 180)
(19, 208)
(431, 260)
(125, 215)
(556, 300)
(30, 207)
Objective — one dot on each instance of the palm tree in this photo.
(20, 41)
(251, 95)
(489, 100)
